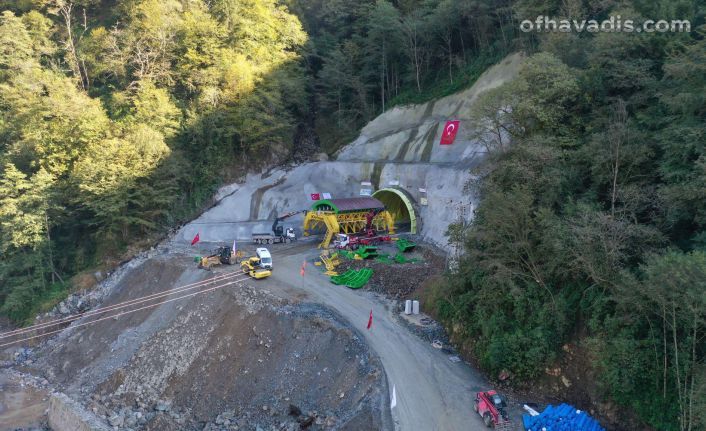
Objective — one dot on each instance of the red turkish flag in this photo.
(370, 319)
(196, 239)
(301, 270)
(450, 130)
(315, 196)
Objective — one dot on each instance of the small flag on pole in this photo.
(196, 239)
(301, 270)
(370, 319)
(315, 196)
(393, 399)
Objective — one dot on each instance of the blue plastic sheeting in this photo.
(561, 418)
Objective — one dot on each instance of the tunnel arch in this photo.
(400, 205)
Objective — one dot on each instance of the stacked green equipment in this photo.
(363, 252)
(405, 245)
(367, 251)
(355, 279)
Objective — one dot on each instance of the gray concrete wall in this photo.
(400, 147)
(67, 415)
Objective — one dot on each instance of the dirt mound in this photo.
(398, 280)
(236, 358)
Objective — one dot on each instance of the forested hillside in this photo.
(119, 119)
(589, 246)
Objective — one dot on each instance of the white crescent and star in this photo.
(450, 128)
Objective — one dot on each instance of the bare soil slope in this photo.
(235, 358)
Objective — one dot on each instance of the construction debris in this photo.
(398, 276)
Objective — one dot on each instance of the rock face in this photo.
(400, 148)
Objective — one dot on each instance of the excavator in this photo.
(279, 233)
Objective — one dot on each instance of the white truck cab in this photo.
(341, 240)
(265, 257)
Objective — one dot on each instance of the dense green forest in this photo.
(592, 224)
(118, 119)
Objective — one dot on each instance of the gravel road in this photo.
(432, 392)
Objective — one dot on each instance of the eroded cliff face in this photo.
(399, 149)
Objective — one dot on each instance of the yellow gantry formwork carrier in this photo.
(349, 215)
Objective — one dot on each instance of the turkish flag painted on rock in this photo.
(449, 134)
(196, 239)
(370, 319)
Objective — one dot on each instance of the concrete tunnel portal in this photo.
(400, 206)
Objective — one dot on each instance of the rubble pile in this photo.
(398, 280)
(233, 360)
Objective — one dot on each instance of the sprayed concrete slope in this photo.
(400, 146)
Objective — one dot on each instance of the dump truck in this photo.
(279, 233)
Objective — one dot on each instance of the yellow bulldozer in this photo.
(220, 256)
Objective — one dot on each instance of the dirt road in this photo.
(432, 392)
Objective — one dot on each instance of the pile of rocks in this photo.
(74, 304)
(122, 417)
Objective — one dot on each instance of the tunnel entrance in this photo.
(400, 206)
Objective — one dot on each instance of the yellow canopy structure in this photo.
(349, 215)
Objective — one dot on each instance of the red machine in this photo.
(367, 236)
(492, 407)
(351, 242)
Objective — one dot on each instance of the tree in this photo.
(414, 30)
(51, 121)
(107, 175)
(24, 203)
(537, 101)
(65, 9)
(15, 42)
(444, 21)
(383, 23)
(671, 292)
(25, 244)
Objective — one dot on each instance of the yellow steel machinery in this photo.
(252, 268)
(222, 255)
(331, 262)
(349, 216)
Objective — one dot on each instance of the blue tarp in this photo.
(561, 418)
